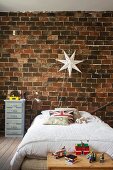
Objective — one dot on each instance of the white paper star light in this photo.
(70, 63)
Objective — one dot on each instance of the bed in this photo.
(43, 137)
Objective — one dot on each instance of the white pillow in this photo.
(46, 113)
(85, 114)
(66, 108)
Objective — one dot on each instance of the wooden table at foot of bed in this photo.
(82, 163)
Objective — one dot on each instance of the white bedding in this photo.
(41, 139)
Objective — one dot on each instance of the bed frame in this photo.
(36, 164)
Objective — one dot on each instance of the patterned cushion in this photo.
(57, 120)
(76, 113)
(66, 113)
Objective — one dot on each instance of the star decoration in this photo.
(70, 63)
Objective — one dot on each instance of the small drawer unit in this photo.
(14, 118)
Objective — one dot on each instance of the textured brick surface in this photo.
(28, 59)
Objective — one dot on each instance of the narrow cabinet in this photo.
(14, 118)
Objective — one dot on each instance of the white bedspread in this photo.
(41, 139)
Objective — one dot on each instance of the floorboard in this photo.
(8, 147)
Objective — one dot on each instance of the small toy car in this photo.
(60, 153)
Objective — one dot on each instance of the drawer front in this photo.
(13, 127)
(14, 110)
(13, 116)
(12, 121)
(13, 104)
(13, 132)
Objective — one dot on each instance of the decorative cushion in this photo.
(66, 113)
(57, 120)
(76, 113)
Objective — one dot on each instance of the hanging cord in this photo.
(62, 89)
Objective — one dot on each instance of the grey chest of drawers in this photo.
(14, 118)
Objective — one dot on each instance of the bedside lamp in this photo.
(36, 106)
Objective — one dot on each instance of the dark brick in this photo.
(13, 78)
(52, 79)
(37, 83)
(27, 74)
(3, 13)
(25, 69)
(27, 65)
(4, 60)
(43, 70)
(15, 18)
(24, 18)
(12, 88)
(82, 19)
(3, 88)
(49, 24)
(69, 13)
(96, 76)
(5, 27)
(105, 75)
(107, 14)
(13, 60)
(34, 19)
(14, 69)
(31, 60)
(33, 28)
(43, 37)
(9, 83)
(7, 55)
(33, 69)
(27, 32)
(13, 14)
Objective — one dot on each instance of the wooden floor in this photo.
(7, 149)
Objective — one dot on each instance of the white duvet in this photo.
(41, 139)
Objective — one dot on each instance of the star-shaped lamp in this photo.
(70, 63)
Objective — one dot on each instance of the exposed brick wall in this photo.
(28, 59)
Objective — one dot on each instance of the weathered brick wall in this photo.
(28, 59)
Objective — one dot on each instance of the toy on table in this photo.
(81, 120)
(71, 158)
(102, 158)
(82, 149)
(92, 157)
(60, 153)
